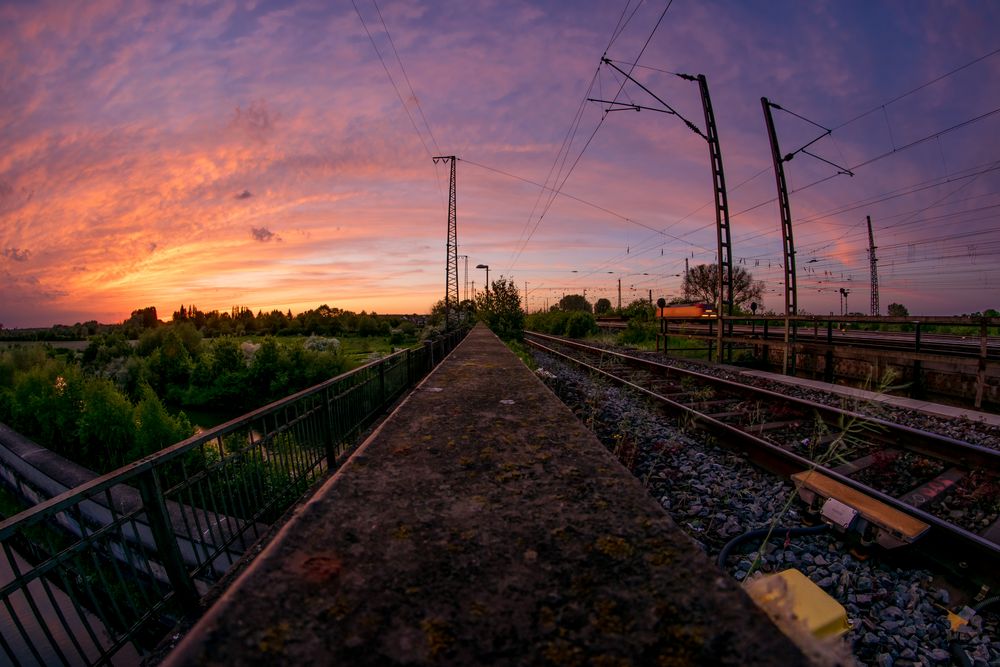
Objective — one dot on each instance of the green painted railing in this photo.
(99, 574)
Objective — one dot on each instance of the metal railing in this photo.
(99, 574)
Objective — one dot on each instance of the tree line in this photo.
(237, 321)
(123, 396)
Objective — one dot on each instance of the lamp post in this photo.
(487, 267)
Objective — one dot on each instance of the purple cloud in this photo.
(255, 121)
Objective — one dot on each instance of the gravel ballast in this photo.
(898, 614)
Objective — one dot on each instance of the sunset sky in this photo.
(258, 154)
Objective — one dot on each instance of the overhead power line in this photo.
(392, 80)
(917, 89)
(569, 172)
(406, 77)
(623, 218)
(841, 125)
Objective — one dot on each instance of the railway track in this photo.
(893, 479)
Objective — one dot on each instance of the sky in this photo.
(278, 154)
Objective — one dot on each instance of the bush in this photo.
(580, 324)
(575, 324)
(637, 332)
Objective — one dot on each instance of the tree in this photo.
(701, 283)
(575, 302)
(602, 306)
(897, 310)
(466, 310)
(106, 428)
(501, 309)
(640, 310)
(155, 427)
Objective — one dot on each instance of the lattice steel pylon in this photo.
(451, 295)
(873, 263)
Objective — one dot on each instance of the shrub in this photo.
(580, 324)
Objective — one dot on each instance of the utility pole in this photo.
(525, 297)
(619, 296)
(788, 244)
(873, 262)
(724, 302)
(451, 299)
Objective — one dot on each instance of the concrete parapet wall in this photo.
(946, 378)
(482, 524)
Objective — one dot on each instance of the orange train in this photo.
(686, 310)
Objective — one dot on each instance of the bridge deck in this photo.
(483, 524)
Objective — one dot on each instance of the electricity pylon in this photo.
(451, 297)
(873, 263)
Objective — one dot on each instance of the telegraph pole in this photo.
(451, 299)
(873, 263)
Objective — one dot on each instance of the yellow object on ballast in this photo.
(791, 595)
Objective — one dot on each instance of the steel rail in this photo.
(954, 451)
(978, 552)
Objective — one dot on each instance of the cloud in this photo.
(17, 254)
(263, 234)
(256, 122)
(246, 194)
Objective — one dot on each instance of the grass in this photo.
(523, 353)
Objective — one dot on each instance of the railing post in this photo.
(165, 540)
(381, 382)
(918, 389)
(766, 349)
(429, 353)
(981, 367)
(409, 369)
(828, 370)
(329, 442)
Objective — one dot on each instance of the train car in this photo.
(688, 310)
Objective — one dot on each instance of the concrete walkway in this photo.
(482, 524)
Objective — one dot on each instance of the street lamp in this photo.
(487, 267)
